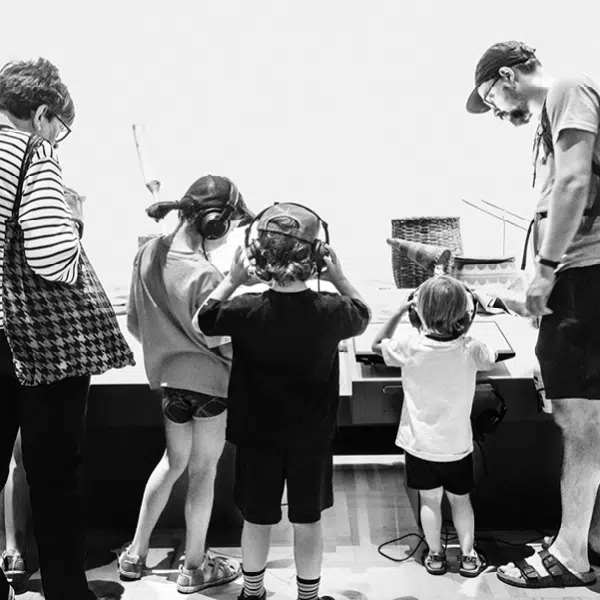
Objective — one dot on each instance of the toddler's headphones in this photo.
(489, 419)
(466, 321)
(318, 246)
(213, 222)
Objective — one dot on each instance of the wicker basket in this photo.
(438, 231)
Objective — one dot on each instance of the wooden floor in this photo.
(371, 507)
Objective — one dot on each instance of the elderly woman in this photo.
(51, 417)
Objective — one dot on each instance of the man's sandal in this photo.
(593, 556)
(558, 575)
(435, 563)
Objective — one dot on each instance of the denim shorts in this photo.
(181, 406)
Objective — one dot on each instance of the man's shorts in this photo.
(455, 477)
(568, 346)
(181, 406)
(261, 472)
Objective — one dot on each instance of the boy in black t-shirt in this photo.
(284, 385)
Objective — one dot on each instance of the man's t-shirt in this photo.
(284, 384)
(438, 379)
(571, 103)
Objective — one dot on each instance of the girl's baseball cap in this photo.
(213, 191)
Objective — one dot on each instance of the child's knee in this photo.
(458, 499)
(175, 464)
(433, 496)
(307, 526)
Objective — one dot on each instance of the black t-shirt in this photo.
(284, 383)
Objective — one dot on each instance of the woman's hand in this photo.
(75, 203)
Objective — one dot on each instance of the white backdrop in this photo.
(354, 107)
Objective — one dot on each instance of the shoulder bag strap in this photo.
(33, 144)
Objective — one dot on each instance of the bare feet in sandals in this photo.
(543, 570)
(593, 555)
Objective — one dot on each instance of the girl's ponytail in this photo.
(159, 210)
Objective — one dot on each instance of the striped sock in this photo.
(308, 589)
(253, 584)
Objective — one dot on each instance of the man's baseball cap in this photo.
(291, 219)
(504, 54)
(212, 191)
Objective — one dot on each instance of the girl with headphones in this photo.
(439, 366)
(172, 277)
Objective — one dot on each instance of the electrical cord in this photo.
(421, 539)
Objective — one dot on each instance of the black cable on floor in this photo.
(421, 539)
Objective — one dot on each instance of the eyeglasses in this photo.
(65, 130)
(485, 100)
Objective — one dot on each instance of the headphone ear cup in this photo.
(320, 252)
(413, 317)
(211, 227)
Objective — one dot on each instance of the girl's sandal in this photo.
(435, 563)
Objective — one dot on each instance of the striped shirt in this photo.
(50, 237)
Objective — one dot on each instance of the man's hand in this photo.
(539, 291)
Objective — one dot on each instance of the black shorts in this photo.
(568, 346)
(455, 477)
(262, 470)
(181, 406)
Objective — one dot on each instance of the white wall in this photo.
(354, 107)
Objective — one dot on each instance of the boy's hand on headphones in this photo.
(333, 273)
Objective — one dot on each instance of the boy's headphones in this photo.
(466, 321)
(213, 222)
(318, 247)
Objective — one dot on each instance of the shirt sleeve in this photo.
(354, 317)
(218, 318)
(205, 286)
(133, 323)
(482, 354)
(51, 240)
(396, 352)
(572, 103)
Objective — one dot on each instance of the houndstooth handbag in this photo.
(56, 330)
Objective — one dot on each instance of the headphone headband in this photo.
(472, 314)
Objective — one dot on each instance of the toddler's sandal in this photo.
(435, 563)
(472, 566)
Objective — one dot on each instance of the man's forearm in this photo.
(565, 213)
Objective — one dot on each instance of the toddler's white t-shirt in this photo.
(438, 378)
